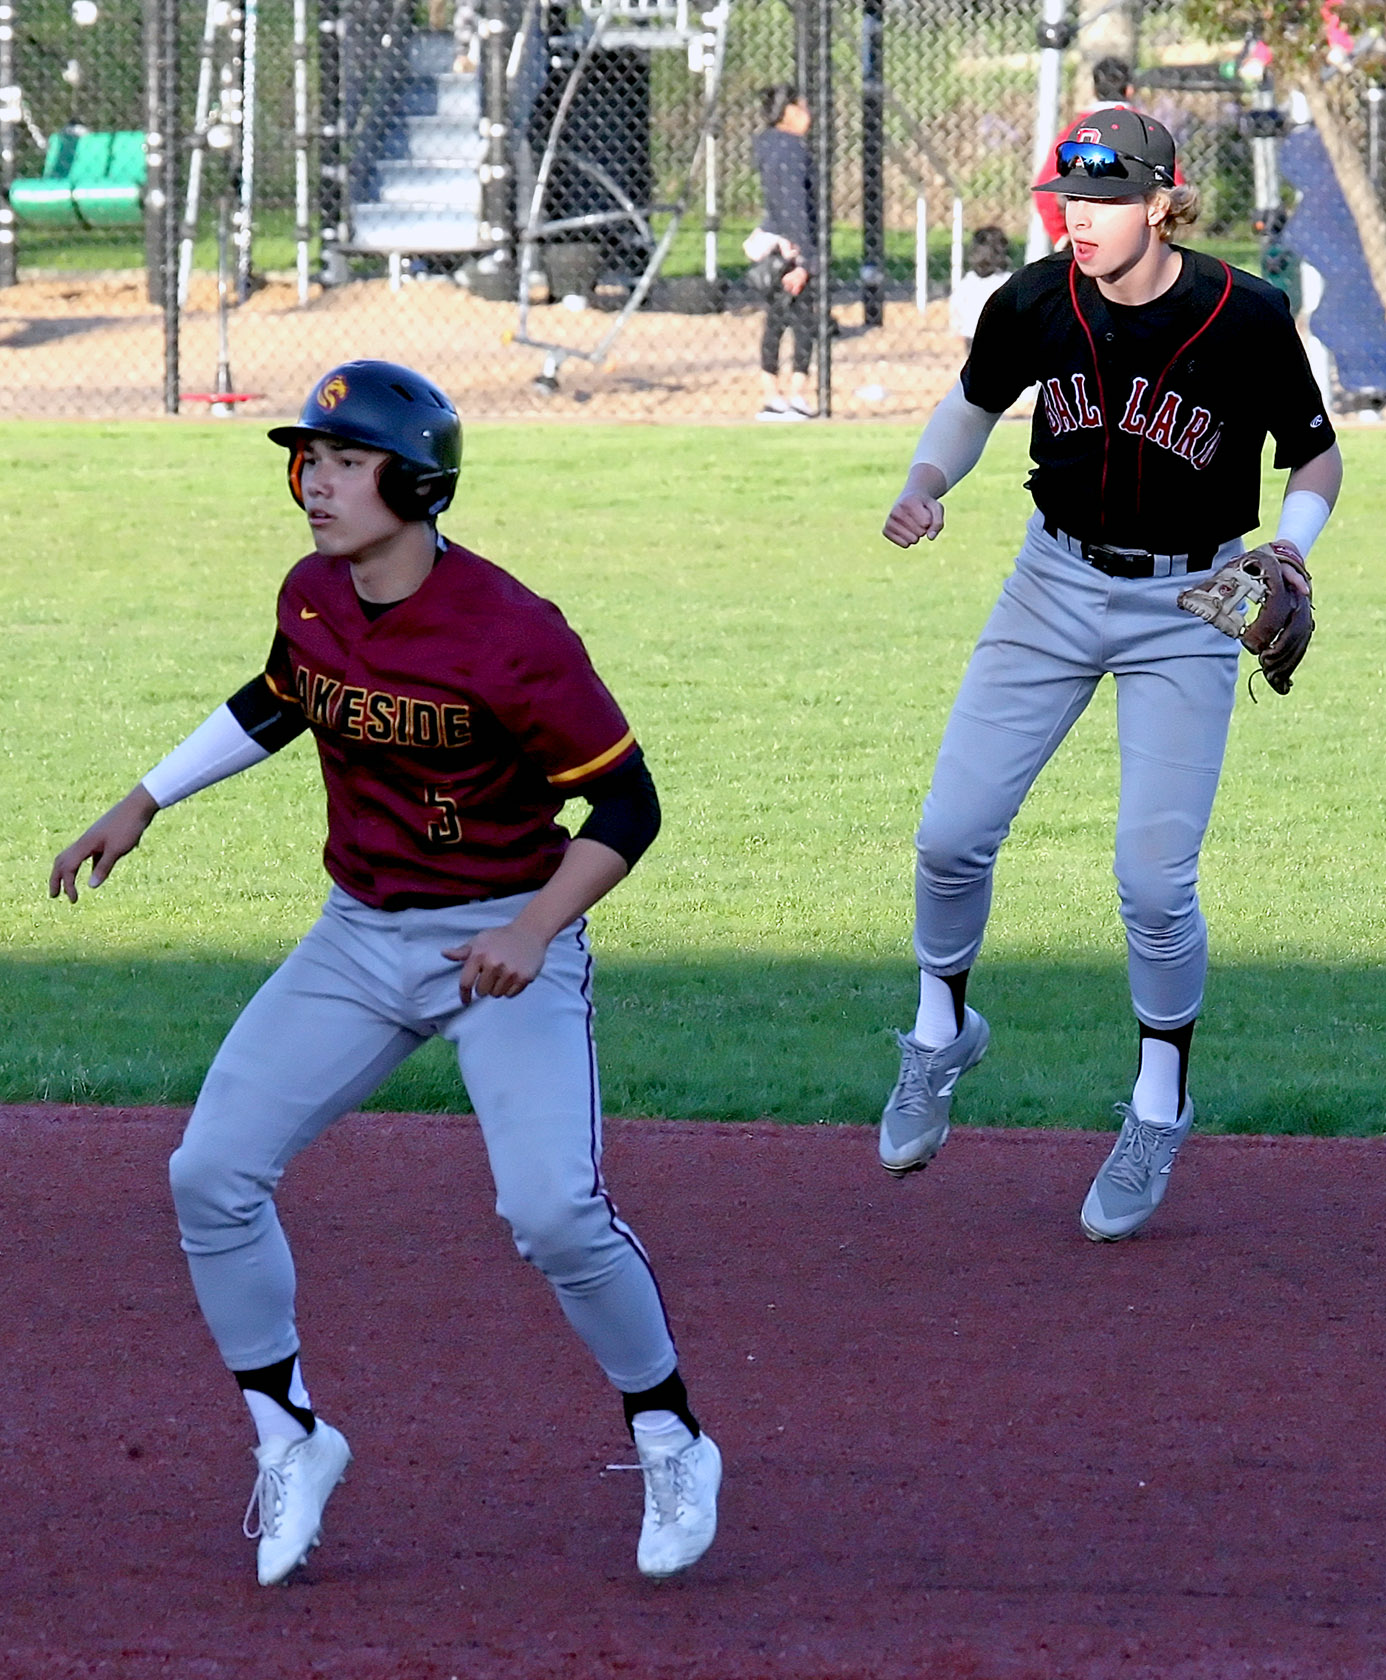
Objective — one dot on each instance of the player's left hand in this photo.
(499, 962)
(795, 279)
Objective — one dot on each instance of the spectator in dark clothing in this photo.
(789, 184)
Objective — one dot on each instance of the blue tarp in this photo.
(1321, 231)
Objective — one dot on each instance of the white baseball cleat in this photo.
(682, 1475)
(296, 1480)
(914, 1125)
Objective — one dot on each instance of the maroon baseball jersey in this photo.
(451, 728)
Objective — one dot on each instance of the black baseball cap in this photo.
(1114, 152)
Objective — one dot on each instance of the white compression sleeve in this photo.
(955, 437)
(216, 749)
(1303, 515)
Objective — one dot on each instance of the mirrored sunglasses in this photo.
(1086, 157)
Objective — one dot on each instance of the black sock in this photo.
(957, 985)
(274, 1381)
(1181, 1038)
(667, 1396)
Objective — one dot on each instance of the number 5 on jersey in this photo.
(444, 829)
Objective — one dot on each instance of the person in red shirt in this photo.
(1111, 83)
(454, 712)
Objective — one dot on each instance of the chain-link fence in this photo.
(545, 204)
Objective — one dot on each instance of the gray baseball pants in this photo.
(364, 989)
(1057, 628)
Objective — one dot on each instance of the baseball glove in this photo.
(1279, 634)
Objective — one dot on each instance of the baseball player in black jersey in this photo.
(1159, 372)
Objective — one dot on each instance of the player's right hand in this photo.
(913, 517)
(107, 841)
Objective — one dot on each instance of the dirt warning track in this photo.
(962, 1443)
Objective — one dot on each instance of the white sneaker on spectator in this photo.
(776, 408)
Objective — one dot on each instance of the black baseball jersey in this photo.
(1150, 419)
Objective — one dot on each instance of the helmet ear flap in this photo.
(296, 474)
(411, 494)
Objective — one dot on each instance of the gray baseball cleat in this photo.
(914, 1123)
(1132, 1181)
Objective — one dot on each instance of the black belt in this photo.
(1132, 562)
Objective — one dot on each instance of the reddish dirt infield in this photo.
(961, 1442)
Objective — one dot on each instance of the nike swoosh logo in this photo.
(304, 613)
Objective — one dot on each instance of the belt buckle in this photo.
(1123, 558)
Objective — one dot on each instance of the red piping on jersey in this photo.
(1159, 385)
(1101, 394)
(1097, 374)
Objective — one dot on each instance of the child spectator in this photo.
(988, 268)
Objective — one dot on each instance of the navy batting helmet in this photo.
(381, 405)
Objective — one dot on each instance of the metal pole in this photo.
(199, 147)
(9, 119)
(302, 230)
(873, 252)
(168, 127)
(497, 178)
(823, 132)
(1265, 163)
(921, 254)
(805, 75)
(712, 215)
(245, 233)
(222, 385)
(155, 161)
(1053, 36)
(331, 164)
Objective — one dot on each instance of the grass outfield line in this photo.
(788, 673)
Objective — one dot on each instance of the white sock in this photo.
(1156, 1094)
(666, 1425)
(271, 1419)
(936, 1023)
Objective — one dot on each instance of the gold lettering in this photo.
(349, 711)
(380, 716)
(457, 726)
(321, 693)
(424, 725)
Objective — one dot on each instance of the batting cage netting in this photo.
(548, 205)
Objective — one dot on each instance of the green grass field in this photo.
(789, 674)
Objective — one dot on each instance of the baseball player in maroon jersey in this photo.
(454, 713)
(1159, 372)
